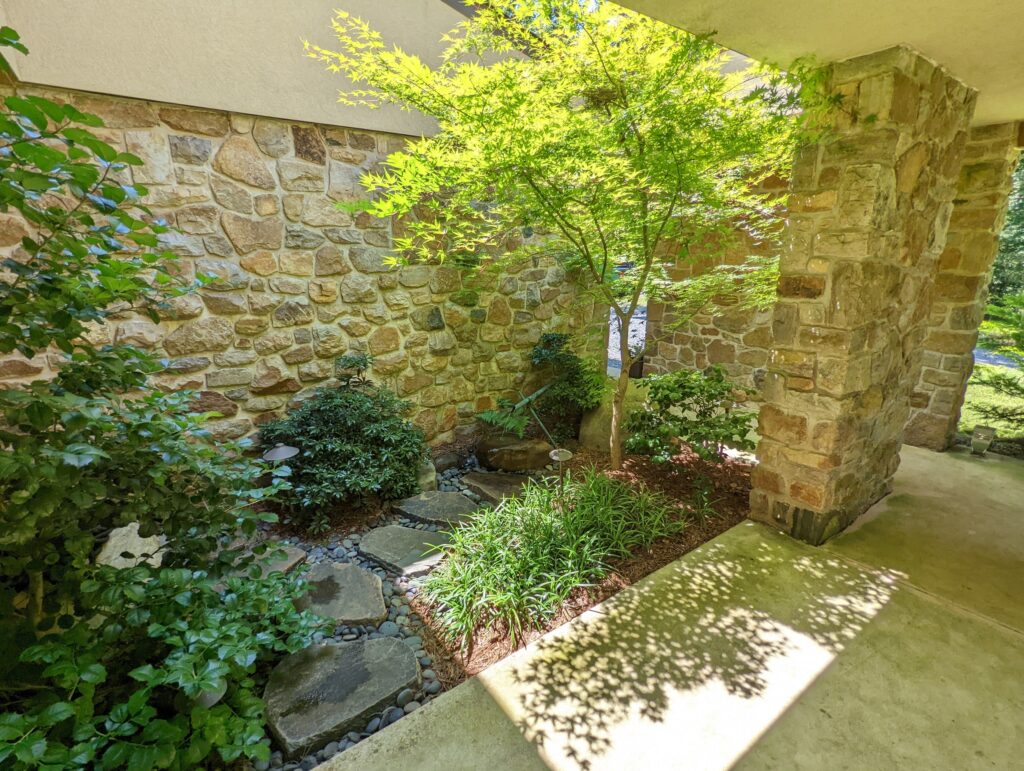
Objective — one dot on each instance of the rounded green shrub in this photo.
(354, 443)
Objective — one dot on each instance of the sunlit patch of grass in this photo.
(979, 397)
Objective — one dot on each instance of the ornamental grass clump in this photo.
(513, 566)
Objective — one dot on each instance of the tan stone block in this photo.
(199, 335)
(776, 424)
(206, 122)
(273, 342)
(301, 177)
(261, 262)
(297, 263)
(315, 370)
(247, 234)
(231, 195)
(357, 288)
(225, 303)
(390, 363)
(239, 158)
(414, 275)
(384, 340)
(287, 285)
(229, 376)
(272, 137)
(323, 291)
(292, 313)
(790, 362)
(267, 204)
(150, 145)
(809, 494)
(842, 245)
(272, 376)
(144, 334)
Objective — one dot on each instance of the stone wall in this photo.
(300, 282)
(869, 208)
(738, 340)
(961, 289)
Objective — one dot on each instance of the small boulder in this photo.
(506, 453)
(492, 487)
(404, 550)
(427, 477)
(126, 540)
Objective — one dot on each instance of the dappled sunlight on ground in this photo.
(697, 646)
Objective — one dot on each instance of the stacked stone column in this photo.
(961, 289)
(869, 207)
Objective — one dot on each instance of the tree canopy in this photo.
(620, 144)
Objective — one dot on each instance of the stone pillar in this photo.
(961, 288)
(869, 207)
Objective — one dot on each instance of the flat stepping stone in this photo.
(293, 557)
(436, 508)
(493, 487)
(346, 593)
(404, 550)
(324, 691)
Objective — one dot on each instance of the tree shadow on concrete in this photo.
(721, 616)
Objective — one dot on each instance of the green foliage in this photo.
(624, 145)
(350, 368)
(576, 384)
(1003, 332)
(101, 667)
(692, 408)
(995, 397)
(1008, 270)
(512, 567)
(572, 386)
(510, 417)
(354, 443)
(63, 276)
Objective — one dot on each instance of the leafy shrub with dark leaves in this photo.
(354, 443)
(152, 666)
(689, 407)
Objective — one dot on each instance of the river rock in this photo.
(320, 693)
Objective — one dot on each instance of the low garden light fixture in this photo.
(981, 439)
(280, 452)
(560, 455)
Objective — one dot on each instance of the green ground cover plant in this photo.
(513, 566)
(157, 665)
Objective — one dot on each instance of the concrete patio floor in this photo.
(898, 645)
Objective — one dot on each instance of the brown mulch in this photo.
(730, 489)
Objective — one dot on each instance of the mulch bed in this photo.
(730, 486)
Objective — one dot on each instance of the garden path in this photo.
(898, 645)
